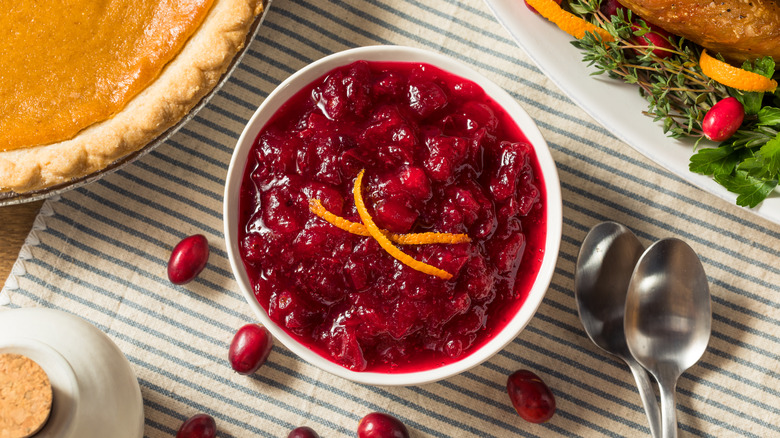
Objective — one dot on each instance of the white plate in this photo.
(96, 393)
(551, 49)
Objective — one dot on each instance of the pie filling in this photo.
(66, 67)
(435, 155)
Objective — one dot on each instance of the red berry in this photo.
(530, 396)
(656, 37)
(379, 425)
(250, 348)
(198, 426)
(723, 119)
(188, 259)
(610, 7)
(303, 432)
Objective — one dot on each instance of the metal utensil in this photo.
(604, 265)
(668, 318)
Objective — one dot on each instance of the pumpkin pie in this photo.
(84, 83)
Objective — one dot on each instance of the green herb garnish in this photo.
(679, 95)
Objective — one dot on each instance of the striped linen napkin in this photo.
(100, 252)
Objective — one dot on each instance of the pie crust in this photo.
(194, 72)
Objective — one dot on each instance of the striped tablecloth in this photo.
(100, 252)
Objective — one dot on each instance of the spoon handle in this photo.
(648, 397)
(668, 406)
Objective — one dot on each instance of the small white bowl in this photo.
(304, 77)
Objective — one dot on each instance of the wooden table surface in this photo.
(15, 223)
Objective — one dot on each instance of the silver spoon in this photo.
(604, 265)
(668, 318)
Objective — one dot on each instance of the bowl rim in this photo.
(389, 53)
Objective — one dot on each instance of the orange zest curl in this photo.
(317, 208)
(428, 238)
(734, 77)
(384, 242)
(568, 22)
(359, 229)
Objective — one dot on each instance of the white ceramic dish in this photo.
(95, 392)
(551, 49)
(398, 54)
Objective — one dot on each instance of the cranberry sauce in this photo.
(439, 155)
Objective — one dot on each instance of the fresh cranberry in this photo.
(723, 119)
(188, 259)
(380, 425)
(530, 396)
(656, 37)
(303, 432)
(249, 349)
(198, 426)
(611, 7)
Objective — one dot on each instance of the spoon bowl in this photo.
(668, 317)
(604, 266)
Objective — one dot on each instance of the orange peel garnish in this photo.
(384, 242)
(734, 77)
(317, 208)
(427, 238)
(568, 22)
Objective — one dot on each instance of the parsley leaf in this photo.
(769, 116)
(750, 190)
(714, 161)
(771, 154)
(764, 66)
(751, 101)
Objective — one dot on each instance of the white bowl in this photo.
(304, 77)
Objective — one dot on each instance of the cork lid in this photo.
(25, 396)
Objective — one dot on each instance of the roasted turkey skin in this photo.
(737, 29)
